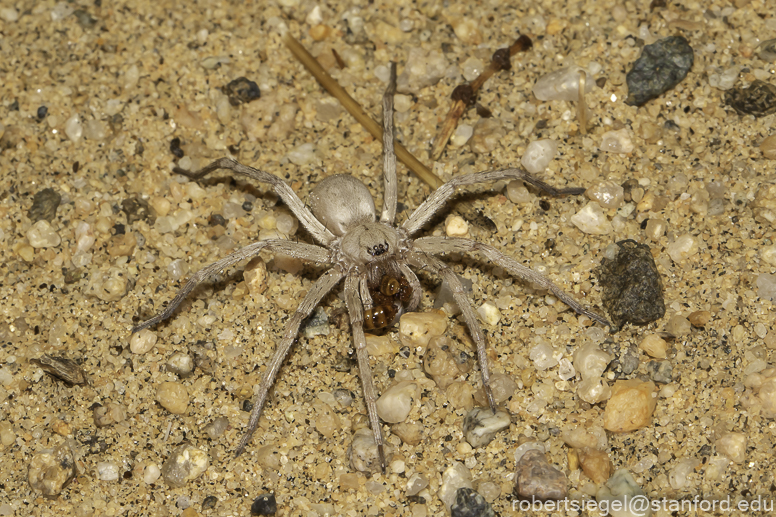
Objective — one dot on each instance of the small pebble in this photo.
(209, 502)
(654, 346)
(481, 425)
(42, 235)
(242, 90)
(109, 414)
(768, 147)
(619, 490)
(656, 228)
(682, 247)
(562, 84)
(595, 464)
(51, 470)
(265, 504)
(759, 99)
(543, 356)
(73, 128)
(518, 193)
(415, 484)
(107, 471)
(217, 427)
(44, 205)
(594, 390)
(462, 135)
(607, 194)
(592, 220)
(630, 406)
(423, 68)
(173, 397)
(454, 477)
(181, 364)
(590, 361)
(142, 342)
(410, 433)
(766, 286)
(660, 371)
(618, 142)
(537, 479)
(417, 328)
(678, 326)
(767, 50)
(301, 155)
(733, 446)
(632, 287)
(363, 452)
(185, 464)
(469, 503)
(488, 134)
(456, 226)
(538, 155)
(395, 404)
(661, 66)
(489, 314)
(678, 478)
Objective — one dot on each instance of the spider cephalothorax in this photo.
(363, 250)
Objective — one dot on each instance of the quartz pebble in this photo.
(415, 484)
(562, 84)
(590, 361)
(42, 235)
(51, 470)
(595, 464)
(185, 464)
(766, 286)
(733, 446)
(173, 397)
(489, 314)
(538, 155)
(487, 135)
(682, 247)
(543, 356)
(423, 68)
(417, 328)
(481, 425)
(518, 193)
(468, 503)
(678, 326)
(607, 194)
(618, 491)
(363, 452)
(109, 286)
(630, 406)
(618, 141)
(142, 342)
(151, 474)
(654, 346)
(109, 414)
(107, 471)
(410, 433)
(578, 438)
(456, 226)
(181, 364)
(395, 404)
(217, 427)
(678, 478)
(454, 477)
(73, 128)
(592, 220)
(303, 154)
(594, 391)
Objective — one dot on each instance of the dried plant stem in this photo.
(464, 94)
(355, 109)
(581, 104)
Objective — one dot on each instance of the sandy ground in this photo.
(138, 74)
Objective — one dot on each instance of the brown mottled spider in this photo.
(362, 251)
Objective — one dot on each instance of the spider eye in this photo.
(378, 249)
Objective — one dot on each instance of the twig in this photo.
(581, 104)
(328, 82)
(464, 94)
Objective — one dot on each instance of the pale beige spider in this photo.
(362, 250)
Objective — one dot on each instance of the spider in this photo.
(362, 250)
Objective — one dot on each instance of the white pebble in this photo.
(42, 235)
(417, 328)
(472, 68)
(303, 154)
(489, 314)
(363, 451)
(84, 237)
(9, 14)
(590, 361)
(186, 463)
(592, 220)
(542, 356)
(732, 446)
(395, 404)
(456, 226)
(107, 471)
(481, 425)
(95, 130)
(6, 377)
(766, 286)
(594, 391)
(617, 142)
(423, 68)
(768, 254)
(455, 477)
(462, 135)
(607, 194)
(566, 370)
(402, 103)
(177, 268)
(683, 247)
(518, 193)
(286, 223)
(73, 128)
(131, 77)
(562, 84)
(142, 342)
(538, 155)
(679, 475)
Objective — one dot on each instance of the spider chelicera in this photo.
(362, 250)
